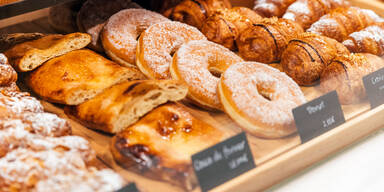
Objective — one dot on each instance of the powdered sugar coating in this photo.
(249, 84)
(20, 103)
(362, 41)
(192, 64)
(47, 124)
(159, 42)
(123, 29)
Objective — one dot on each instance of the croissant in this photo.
(368, 40)
(265, 41)
(341, 22)
(224, 26)
(306, 12)
(306, 56)
(345, 75)
(270, 8)
(195, 12)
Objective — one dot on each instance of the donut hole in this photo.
(215, 72)
(264, 91)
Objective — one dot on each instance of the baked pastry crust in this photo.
(8, 74)
(78, 76)
(271, 8)
(29, 55)
(123, 104)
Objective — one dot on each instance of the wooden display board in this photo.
(275, 159)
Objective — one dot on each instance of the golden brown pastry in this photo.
(341, 22)
(272, 8)
(78, 76)
(160, 144)
(123, 104)
(9, 40)
(9, 88)
(225, 26)
(368, 40)
(306, 12)
(31, 54)
(345, 75)
(265, 41)
(93, 15)
(7, 74)
(306, 57)
(195, 12)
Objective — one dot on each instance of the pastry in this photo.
(62, 17)
(345, 75)
(120, 34)
(272, 8)
(225, 26)
(265, 41)
(8, 74)
(341, 22)
(306, 56)
(260, 99)
(368, 40)
(123, 104)
(77, 76)
(93, 15)
(199, 64)
(29, 55)
(160, 144)
(306, 12)
(20, 103)
(195, 12)
(9, 88)
(9, 40)
(157, 45)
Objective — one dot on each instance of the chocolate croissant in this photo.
(265, 41)
(225, 26)
(341, 22)
(306, 57)
(195, 12)
(368, 40)
(306, 12)
(271, 8)
(345, 75)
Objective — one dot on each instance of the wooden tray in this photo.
(275, 159)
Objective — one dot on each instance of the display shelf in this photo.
(25, 6)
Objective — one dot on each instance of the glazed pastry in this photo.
(123, 104)
(265, 41)
(93, 15)
(345, 75)
(225, 26)
(120, 34)
(157, 45)
(199, 64)
(7, 41)
(306, 12)
(271, 8)
(160, 144)
(32, 54)
(8, 74)
(368, 40)
(195, 12)
(62, 17)
(306, 57)
(77, 76)
(260, 99)
(341, 22)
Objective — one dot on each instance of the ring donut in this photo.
(119, 36)
(157, 45)
(199, 65)
(260, 99)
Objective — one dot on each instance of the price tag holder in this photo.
(223, 162)
(131, 187)
(318, 116)
(374, 87)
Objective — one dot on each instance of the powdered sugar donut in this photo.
(119, 36)
(260, 99)
(198, 64)
(157, 45)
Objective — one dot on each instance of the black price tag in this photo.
(374, 87)
(223, 162)
(129, 188)
(318, 116)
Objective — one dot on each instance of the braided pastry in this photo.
(224, 26)
(271, 8)
(195, 12)
(265, 41)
